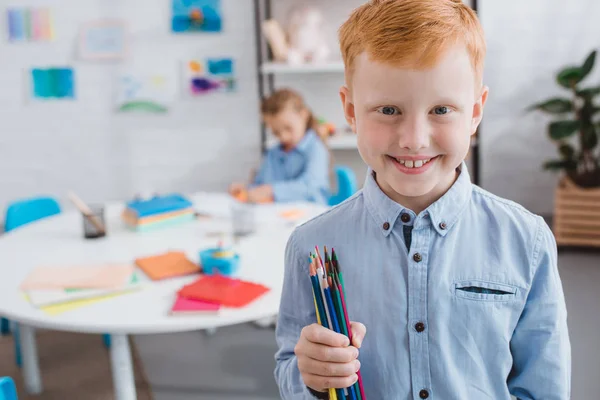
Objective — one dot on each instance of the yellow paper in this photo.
(56, 309)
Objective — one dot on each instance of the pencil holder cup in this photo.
(213, 263)
(90, 230)
(243, 219)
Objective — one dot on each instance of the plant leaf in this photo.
(589, 92)
(559, 130)
(567, 151)
(588, 64)
(554, 165)
(569, 77)
(553, 106)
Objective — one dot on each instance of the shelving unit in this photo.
(267, 70)
(283, 68)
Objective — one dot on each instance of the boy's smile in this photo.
(414, 125)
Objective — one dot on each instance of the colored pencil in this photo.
(331, 284)
(361, 391)
(320, 316)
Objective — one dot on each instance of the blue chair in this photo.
(8, 390)
(18, 214)
(30, 210)
(346, 185)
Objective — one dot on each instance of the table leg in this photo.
(122, 368)
(31, 367)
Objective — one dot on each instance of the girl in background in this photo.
(298, 167)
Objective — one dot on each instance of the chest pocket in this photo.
(484, 291)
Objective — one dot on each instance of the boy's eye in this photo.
(441, 110)
(388, 110)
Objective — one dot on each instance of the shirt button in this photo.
(420, 327)
(443, 225)
(424, 394)
(405, 217)
(417, 257)
(386, 226)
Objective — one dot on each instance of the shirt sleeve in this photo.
(310, 183)
(296, 311)
(261, 176)
(540, 344)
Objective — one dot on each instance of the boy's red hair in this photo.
(411, 33)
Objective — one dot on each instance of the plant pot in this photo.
(576, 215)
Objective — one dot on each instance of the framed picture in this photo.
(196, 16)
(103, 40)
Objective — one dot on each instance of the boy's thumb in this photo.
(358, 333)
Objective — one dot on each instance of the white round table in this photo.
(58, 241)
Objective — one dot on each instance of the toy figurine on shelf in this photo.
(304, 39)
(326, 129)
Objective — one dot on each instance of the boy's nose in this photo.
(414, 135)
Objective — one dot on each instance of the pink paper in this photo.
(189, 305)
(79, 277)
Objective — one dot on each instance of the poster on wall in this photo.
(196, 16)
(29, 24)
(52, 83)
(103, 40)
(210, 75)
(146, 93)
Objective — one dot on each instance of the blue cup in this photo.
(224, 266)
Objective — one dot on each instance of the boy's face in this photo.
(288, 125)
(414, 126)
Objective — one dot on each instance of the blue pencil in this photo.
(318, 298)
(336, 326)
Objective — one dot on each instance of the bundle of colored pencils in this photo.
(330, 305)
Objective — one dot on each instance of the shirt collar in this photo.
(443, 213)
(304, 145)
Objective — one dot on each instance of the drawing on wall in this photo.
(196, 16)
(30, 24)
(53, 83)
(103, 40)
(151, 93)
(209, 76)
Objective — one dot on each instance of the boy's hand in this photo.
(326, 359)
(260, 194)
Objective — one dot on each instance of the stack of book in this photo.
(157, 212)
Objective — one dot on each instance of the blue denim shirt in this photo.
(481, 276)
(301, 174)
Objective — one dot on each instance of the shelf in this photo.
(342, 141)
(283, 68)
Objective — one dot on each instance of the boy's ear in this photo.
(348, 106)
(478, 109)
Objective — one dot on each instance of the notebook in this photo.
(47, 297)
(159, 205)
(185, 306)
(167, 265)
(226, 291)
(131, 218)
(82, 277)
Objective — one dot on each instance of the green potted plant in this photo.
(576, 129)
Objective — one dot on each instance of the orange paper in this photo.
(168, 265)
(223, 290)
(79, 277)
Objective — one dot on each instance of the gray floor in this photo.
(237, 362)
